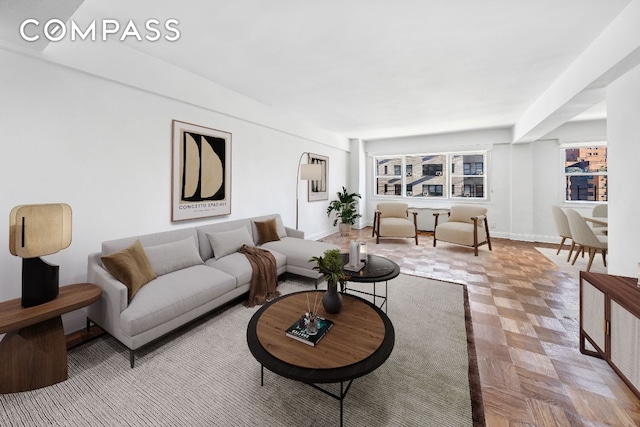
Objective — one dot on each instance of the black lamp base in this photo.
(39, 281)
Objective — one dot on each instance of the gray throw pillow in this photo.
(227, 242)
(173, 256)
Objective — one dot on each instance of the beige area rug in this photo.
(581, 263)
(205, 375)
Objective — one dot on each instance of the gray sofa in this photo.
(193, 278)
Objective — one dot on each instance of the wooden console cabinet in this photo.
(610, 323)
(33, 354)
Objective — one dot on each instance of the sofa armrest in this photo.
(113, 301)
(291, 232)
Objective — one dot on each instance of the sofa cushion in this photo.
(160, 238)
(227, 242)
(459, 232)
(239, 267)
(267, 231)
(392, 209)
(206, 251)
(173, 256)
(298, 251)
(172, 295)
(463, 213)
(131, 267)
(397, 227)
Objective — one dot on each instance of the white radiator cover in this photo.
(425, 218)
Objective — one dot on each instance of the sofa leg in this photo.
(132, 357)
(88, 324)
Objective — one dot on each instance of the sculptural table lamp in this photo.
(35, 231)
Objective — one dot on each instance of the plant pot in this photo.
(332, 299)
(345, 229)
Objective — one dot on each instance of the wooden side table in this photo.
(34, 351)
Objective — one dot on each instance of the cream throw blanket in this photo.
(264, 279)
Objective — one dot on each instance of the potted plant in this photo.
(331, 265)
(345, 210)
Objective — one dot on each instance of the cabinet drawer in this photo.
(592, 307)
(625, 344)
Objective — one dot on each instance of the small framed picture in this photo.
(318, 188)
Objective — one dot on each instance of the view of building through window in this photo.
(585, 170)
(428, 175)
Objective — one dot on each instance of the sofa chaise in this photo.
(190, 272)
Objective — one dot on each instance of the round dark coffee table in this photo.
(361, 339)
(377, 269)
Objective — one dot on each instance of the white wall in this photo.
(104, 147)
(525, 179)
(358, 178)
(522, 180)
(623, 129)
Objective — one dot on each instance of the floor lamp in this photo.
(306, 172)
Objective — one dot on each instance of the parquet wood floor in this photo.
(525, 315)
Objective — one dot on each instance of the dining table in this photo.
(600, 220)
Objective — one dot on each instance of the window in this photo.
(427, 175)
(585, 171)
(433, 190)
(432, 170)
(388, 184)
(471, 182)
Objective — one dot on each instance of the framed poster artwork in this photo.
(201, 172)
(318, 187)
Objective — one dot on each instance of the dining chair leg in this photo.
(592, 253)
(561, 244)
(575, 257)
(573, 246)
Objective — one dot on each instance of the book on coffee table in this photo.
(297, 331)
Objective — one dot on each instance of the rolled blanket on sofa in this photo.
(264, 279)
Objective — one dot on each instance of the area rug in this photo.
(204, 375)
(573, 270)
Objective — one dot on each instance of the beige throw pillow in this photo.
(130, 266)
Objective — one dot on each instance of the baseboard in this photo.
(532, 238)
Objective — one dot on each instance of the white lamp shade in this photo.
(310, 172)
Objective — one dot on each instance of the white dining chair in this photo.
(586, 238)
(600, 211)
(562, 227)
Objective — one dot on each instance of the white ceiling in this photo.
(377, 68)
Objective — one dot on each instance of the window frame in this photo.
(565, 175)
(448, 170)
(390, 185)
